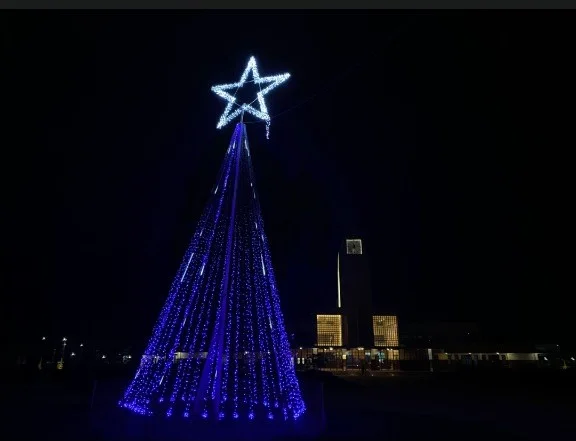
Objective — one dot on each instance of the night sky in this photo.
(442, 139)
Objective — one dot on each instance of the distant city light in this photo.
(43, 338)
(103, 356)
(81, 345)
(73, 354)
(64, 339)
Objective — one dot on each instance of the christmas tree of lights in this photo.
(219, 348)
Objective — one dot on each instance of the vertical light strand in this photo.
(287, 376)
(228, 349)
(201, 279)
(275, 369)
(219, 348)
(240, 294)
(212, 374)
(156, 362)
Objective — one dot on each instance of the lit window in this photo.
(385, 330)
(329, 329)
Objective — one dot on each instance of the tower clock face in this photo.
(353, 246)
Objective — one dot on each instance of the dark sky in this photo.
(442, 139)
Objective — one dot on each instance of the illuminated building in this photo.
(329, 330)
(355, 292)
(385, 330)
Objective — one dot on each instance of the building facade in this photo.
(329, 330)
(353, 323)
(385, 329)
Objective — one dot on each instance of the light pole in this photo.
(64, 340)
(42, 353)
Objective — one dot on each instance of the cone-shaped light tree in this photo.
(219, 348)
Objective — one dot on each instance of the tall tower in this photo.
(355, 292)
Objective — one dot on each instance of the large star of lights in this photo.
(233, 109)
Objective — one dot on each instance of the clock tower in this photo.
(355, 292)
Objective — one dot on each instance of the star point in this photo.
(234, 109)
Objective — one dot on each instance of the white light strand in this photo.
(187, 265)
(262, 113)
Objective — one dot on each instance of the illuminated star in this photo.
(234, 109)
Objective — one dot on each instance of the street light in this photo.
(42, 353)
(64, 340)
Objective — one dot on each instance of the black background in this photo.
(441, 138)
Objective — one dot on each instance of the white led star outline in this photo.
(262, 113)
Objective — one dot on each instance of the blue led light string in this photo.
(286, 372)
(211, 287)
(184, 368)
(210, 380)
(204, 325)
(263, 348)
(193, 250)
(250, 390)
(271, 346)
(141, 387)
(228, 350)
(265, 371)
(204, 322)
(293, 389)
(184, 365)
(191, 344)
(161, 379)
(201, 313)
(273, 366)
(237, 347)
(152, 373)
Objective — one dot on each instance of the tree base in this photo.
(123, 424)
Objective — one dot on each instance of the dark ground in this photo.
(499, 405)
